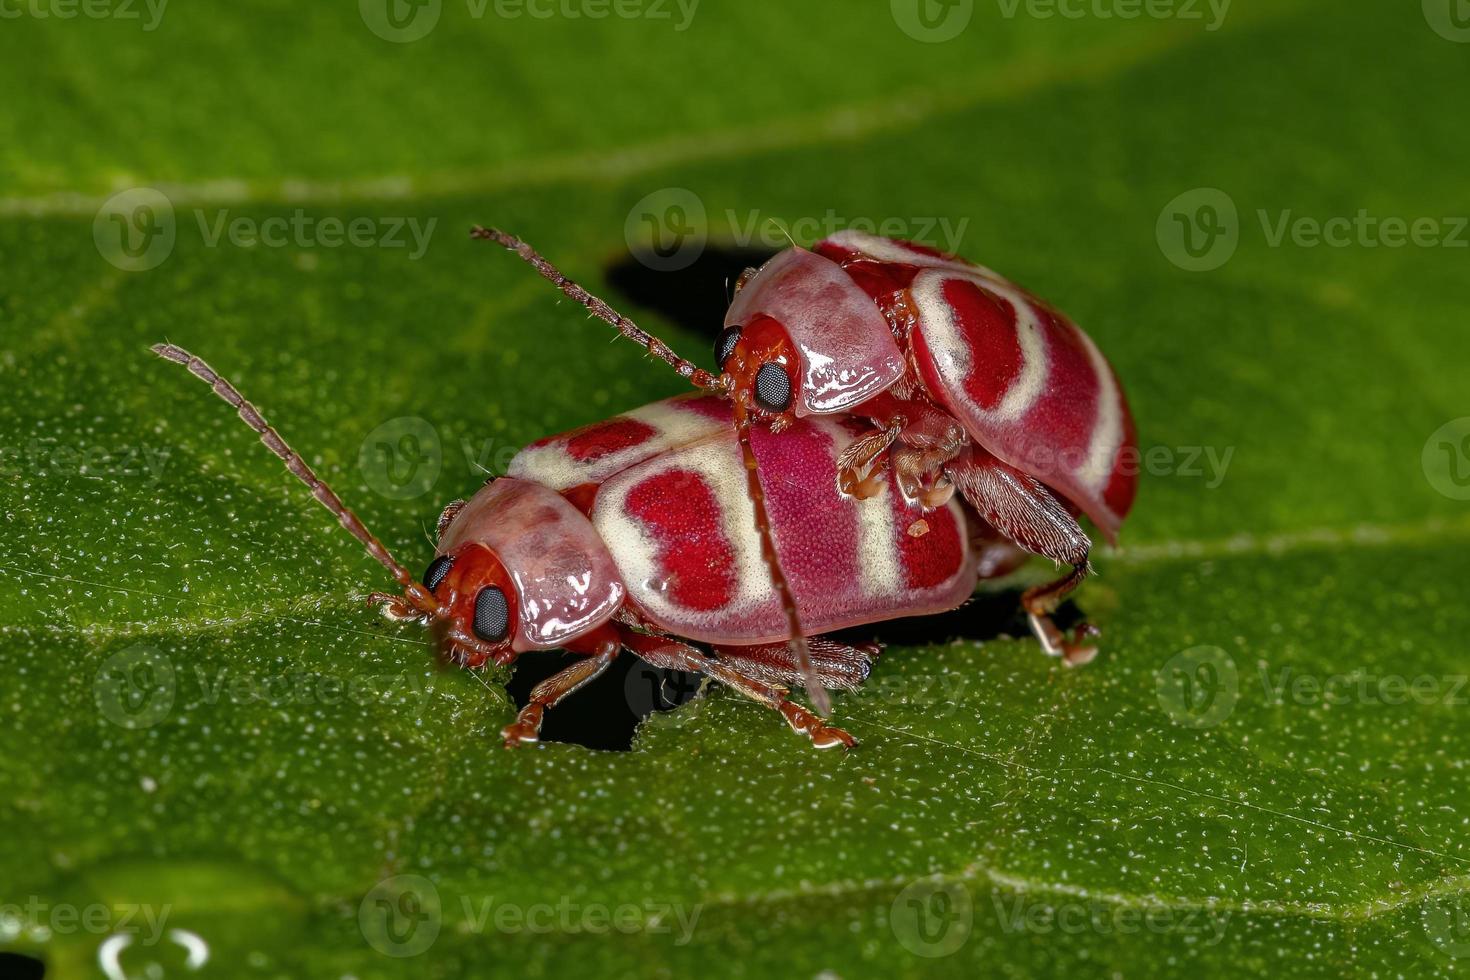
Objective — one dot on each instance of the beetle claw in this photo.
(526, 729)
(823, 735)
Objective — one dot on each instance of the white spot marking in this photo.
(953, 354)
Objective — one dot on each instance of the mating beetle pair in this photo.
(811, 488)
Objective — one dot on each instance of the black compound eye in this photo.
(438, 568)
(492, 615)
(772, 388)
(725, 345)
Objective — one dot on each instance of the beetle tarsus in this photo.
(803, 722)
(551, 692)
(669, 653)
(395, 607)
(1040, 602)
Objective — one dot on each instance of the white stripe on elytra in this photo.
(552, 466)
(1107, 428)
(954, 356)
(888, 250)
(717, 461)
(877, 544)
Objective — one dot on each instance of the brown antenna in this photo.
(702, 379)
(416, 594)
(820, 702)
(600, 309)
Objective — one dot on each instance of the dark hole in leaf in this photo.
(604, 714)
(694, 296)
(14, 966)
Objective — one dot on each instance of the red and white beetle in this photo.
(967, 381)
(638, 533)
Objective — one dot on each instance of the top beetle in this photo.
(970, 382)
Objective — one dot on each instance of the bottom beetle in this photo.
(638, 533)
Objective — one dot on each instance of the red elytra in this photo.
(890, 375)
(652, 547)
(966, 382)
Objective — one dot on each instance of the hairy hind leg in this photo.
(838, 665)
(1025, 511)
(663, 651)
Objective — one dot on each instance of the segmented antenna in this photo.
(600, 309)
(702, 379)
(421, 598)
(814, 688)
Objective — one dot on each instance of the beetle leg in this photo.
(601, 647)
(663, 651)
(449, 513)
(1024, 510)
(928, 445)
(921, 477)
(860, 466)
(396, 607)
(1040, 602)
(548, 694)
(838, 665)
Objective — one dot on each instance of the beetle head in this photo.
(519, 568)
(763, 369)
(478, 606)
(802, 338)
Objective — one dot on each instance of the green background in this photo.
(1179, 807)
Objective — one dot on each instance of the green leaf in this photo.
(210, 736)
